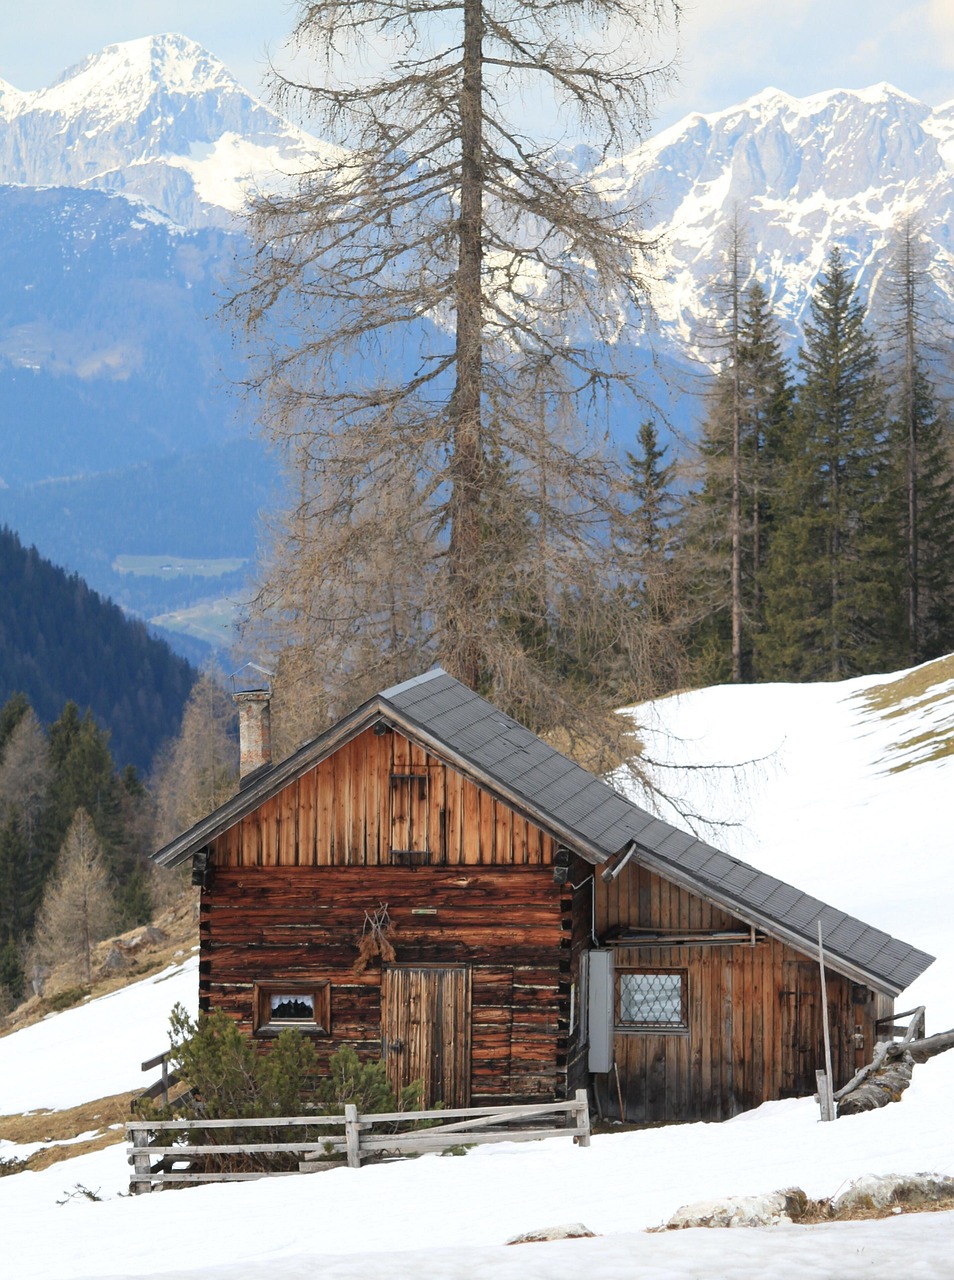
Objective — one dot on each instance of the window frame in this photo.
(264, 1026)
(680, 1028)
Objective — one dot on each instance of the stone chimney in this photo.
(255, 730)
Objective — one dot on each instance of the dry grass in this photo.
(54, 1126)
(178, 934)
(915, 684)
(910, 694)
(179, 928)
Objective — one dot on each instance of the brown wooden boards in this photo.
(381, 799)
(754, 1029)
(425, 1022)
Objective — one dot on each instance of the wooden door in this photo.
(425, 1026)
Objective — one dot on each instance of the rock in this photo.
(149, 937)
(113, 962)
(569, 1231)
(878, 1192)
(767, 1210)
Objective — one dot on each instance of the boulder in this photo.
(767, 1210)
(878, 1192)
(569, 1231)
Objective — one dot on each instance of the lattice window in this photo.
(651, 999)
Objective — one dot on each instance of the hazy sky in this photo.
(729, 48)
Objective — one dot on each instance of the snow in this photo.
(449, 1216)
(818, 804)
(96, 1049)
(819, 807)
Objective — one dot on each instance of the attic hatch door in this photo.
(425, 1023)
(409, 817)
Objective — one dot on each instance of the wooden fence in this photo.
(155, 1166)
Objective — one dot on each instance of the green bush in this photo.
(227, 1078)
(365, 1084)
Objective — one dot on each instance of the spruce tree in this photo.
(832, 595)
(729, 520)
(921, 435)
(660, 594)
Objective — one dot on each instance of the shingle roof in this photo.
(590, 816)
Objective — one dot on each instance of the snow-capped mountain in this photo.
(803, 175)
(160, 118)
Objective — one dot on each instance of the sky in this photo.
(730, 49)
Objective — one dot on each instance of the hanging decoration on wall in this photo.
(374, 941)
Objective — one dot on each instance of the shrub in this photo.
(228, 1078)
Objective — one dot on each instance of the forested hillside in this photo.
(60, 641)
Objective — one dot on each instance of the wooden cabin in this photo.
(430, 882)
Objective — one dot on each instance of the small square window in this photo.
(652, 1000)
(298, 1005)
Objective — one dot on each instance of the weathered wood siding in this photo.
(755, 1021)
(510, 926)
(376, 796)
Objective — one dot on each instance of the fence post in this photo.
(352, 1136)
(141, 1181)
(582, 1118)
(826, 1101)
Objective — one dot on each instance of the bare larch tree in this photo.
(434, 309)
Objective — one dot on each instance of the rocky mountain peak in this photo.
(160, 118)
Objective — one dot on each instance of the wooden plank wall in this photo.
(755, 1024)
(510, 925)
(339, 814)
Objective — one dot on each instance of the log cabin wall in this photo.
(508, 926)
(754, 1025)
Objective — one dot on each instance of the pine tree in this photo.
(660, 593)
(833, 589)
(728, 521)
(922, 435)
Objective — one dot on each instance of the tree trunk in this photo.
(466, 466)
(736, 517)
(889, 1073)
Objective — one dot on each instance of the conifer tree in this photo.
(78, 903)
(661, 594)
(440, 294)
(198, 770)
(922, 435)
(833, 587)
(728, 521)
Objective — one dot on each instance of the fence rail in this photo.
(160, 1088)
(458, 1126)
(892, 1028)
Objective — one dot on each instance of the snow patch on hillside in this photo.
(809, 789)
(96, 1049)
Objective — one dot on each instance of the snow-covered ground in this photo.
(96, 1049)
(820, 810)
(819, 805)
